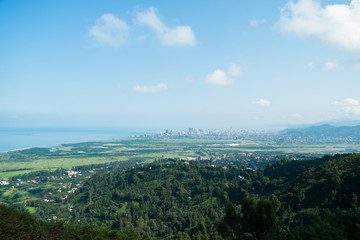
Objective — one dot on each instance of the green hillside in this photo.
(174, 198)
(161, 199)
(24, 226)
(307, 199)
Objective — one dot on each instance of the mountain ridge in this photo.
(325, 133)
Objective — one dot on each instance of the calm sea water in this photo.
(18, 138)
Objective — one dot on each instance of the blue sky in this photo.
(177, 64)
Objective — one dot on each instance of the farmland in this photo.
(244, 152)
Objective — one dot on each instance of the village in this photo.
(44, 185)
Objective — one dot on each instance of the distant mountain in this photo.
(335, 123)
(324, 133)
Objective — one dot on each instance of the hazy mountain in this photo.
(334, 122)
(325, 132)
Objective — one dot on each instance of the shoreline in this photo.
(17, 139)
(60, 144)
(19, 149)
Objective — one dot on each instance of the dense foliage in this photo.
(23, 226)
(307, 199)
(160, 200)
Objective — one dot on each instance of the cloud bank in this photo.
(336, 24)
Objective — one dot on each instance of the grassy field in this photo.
(67, 156)
(9, 192)
(31, 210)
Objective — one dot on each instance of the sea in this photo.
(26, 137)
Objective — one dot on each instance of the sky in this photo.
(178, 64)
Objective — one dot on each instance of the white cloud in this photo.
(110, 30)
(328, 66)
(350, 106)
(180, 35)
(218, 78)
(235, 70)
(348, 102)
(221, 78)
(150, 89)
(150, 19)
(336, 24)
(262, 102)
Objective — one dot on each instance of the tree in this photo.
(259, 218)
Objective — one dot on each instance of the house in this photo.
(71, 173)
(4, 183)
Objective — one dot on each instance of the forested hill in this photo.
(185, 199)
(324, 133)
(23, 226)
(163, 199)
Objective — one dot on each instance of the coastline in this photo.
(19, 149)
(22, 138)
